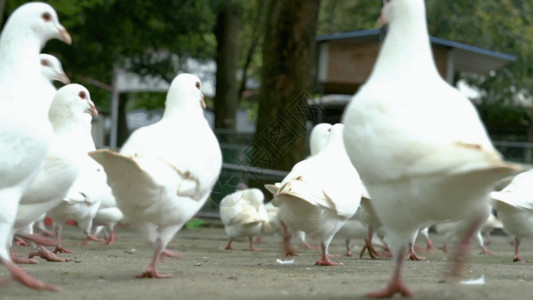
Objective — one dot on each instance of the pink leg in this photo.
(111, 239)
(348, 248)
(462, 253)
(444, 248)
(48, 255)
(151, 271)
(412, 254)
(258, 239)
(485, 251)
(516, 256)
(308, 246)
(288, 249)
(368, 245)
(252, 248)
(228, 246)
(429, 244)
(396, 284)
(18, 274)
(59, 248)
(325, 261)
(21, 242)
(41, 240)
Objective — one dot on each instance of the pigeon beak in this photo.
(92, 109)
(202, 102)
(63, 78)
(64, 35)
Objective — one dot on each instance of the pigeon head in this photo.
(319, 136)
(400, 9)
(72, 101)
(52, 69)
(185, 92)
(39, 19)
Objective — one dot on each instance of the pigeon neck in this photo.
(17, 47)
(406, 50)
(172, 111)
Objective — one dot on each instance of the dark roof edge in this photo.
(436, 40)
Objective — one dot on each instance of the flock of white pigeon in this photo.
(411, 153)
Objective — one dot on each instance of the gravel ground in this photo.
(207, 271)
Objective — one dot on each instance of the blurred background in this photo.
(271, 69)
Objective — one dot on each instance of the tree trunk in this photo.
(227, 34)
(123, 131)
(289, 61)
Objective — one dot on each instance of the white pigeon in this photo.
(514, 205)
(107, 217)
(24, 126)
(318, 137)
(51, 70)
(317, 140)
(320, 194)
(418, 143)
(83, 200)
(354, 228)
(243, 214)
(70, 114)
(165, 171)
(453, 232)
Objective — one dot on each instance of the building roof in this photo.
(467, 58)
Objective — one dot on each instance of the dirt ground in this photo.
(207, 271)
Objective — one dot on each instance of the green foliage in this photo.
(195, 223)
(136, 34)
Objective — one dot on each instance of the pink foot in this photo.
(152, 273)
(21, 260)
(48, 255)
(91, 238)
(325, 261)
(391, 290)
(111, 239)
(396, 284)
(288, 249)
(413, 256)
(171, 253)
(18, 274)
(21, 242)
(485, 251)
(371, 250)
(517, 258)
(60, 249)
(308, 246)
(252, 248)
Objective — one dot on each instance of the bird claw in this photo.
(152, 274)
(18, 274)
(327, 262)
(60, 249)
(48, 255)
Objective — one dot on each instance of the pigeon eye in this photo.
(198, 85)
(46, 16)
(45, 62)
(82, 95)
